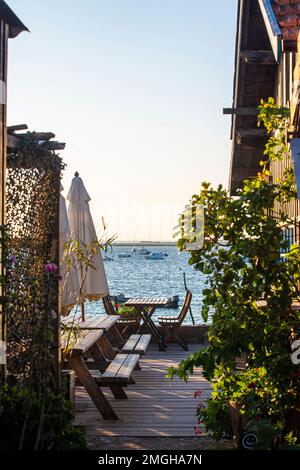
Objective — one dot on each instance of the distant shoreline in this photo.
(140, 244)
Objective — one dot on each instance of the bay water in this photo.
(138, 277)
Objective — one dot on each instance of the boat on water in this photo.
(120, 298)
(156, 256)
(107, 258)
(124, 255)
(140, 251)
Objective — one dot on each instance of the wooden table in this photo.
(105, 323)
(145, 308)
(93, 322)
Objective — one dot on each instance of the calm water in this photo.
(137, 277)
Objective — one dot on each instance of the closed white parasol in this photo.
(69, 286)
(93, 281)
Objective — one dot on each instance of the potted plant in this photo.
(129, 318)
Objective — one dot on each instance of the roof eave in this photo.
(273, 28)
(10, 18)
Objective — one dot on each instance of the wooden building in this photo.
(267, 64)
(10, 27)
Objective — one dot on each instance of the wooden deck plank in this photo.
(156, 405)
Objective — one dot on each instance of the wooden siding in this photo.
(254, 80)
(286, 89)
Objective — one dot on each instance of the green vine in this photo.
(34, 413)
(247, 259)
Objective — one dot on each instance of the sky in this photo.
(135, 88)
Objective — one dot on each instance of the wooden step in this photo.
(137, 344)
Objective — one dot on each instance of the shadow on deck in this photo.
(156, 406)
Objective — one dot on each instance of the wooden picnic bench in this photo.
(92, 343)
(137, 343)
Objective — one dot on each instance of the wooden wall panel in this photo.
(3, 146)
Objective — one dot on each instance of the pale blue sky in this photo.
(136, 89)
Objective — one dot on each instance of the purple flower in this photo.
(53, 314)
(59, 277)
(13, 260)
(50, 268)
(200, 406)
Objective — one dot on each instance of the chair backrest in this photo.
(109, 308)
(185, 307)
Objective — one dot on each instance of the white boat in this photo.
(155, 256)
(124, 255)
(141, 251)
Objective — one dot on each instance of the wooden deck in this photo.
(156, 406)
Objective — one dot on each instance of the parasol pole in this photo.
(82, 312)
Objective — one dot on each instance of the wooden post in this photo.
(4, 31)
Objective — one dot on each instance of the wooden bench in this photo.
(117, 374)
(137, 344)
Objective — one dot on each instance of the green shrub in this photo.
(21, 425)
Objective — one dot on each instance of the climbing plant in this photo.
(34, 413)
(252, 279)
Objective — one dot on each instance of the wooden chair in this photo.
(136, 343)
(172, 324)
